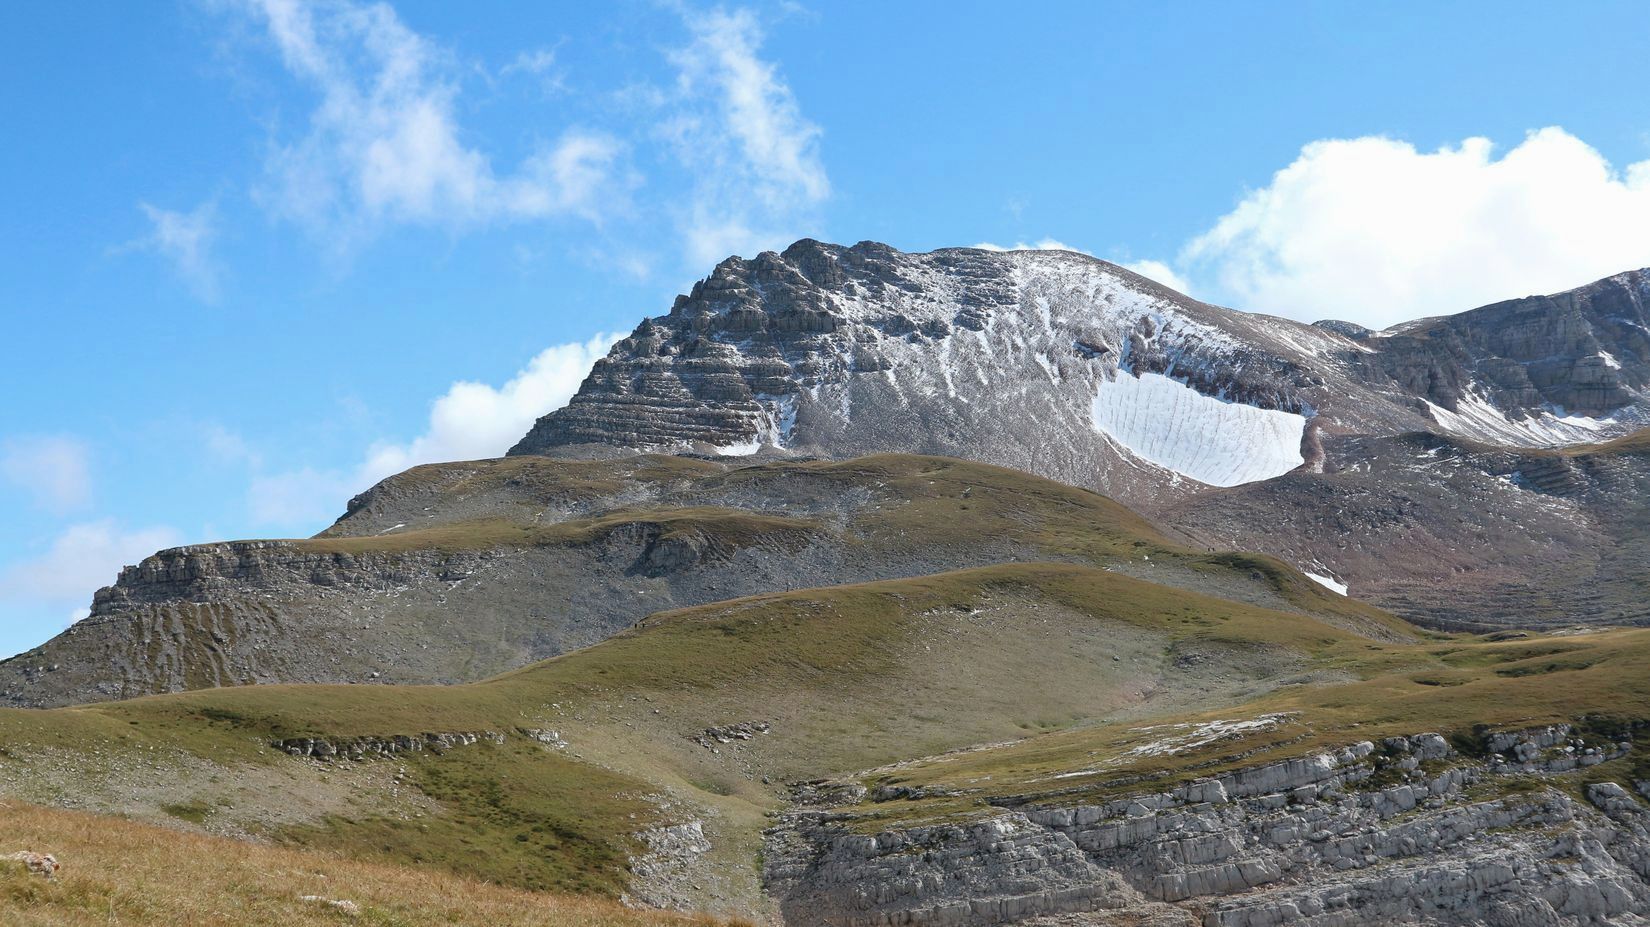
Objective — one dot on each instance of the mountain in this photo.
(716, 638)
(1387, 464)
(1230, 428)
(1076, 369)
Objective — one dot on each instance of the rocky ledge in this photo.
(360, 748)
(1405, 831)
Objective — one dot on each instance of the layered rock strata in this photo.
(1404, 831)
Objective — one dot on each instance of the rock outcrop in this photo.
(1404, 831)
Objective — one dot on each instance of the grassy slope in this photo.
(1461, 688)
(849, 677)
(929, 501)
(139, 875)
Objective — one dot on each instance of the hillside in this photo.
(142, 874)
(646, 765)
(453, 572)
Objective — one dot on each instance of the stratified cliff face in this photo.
(1404, 831)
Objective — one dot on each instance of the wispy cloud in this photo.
(738, 128)
(383, 142)
(543, 66)
(53, 470)
(185, 239)
(81, 559)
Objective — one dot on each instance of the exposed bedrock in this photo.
(1404, 831)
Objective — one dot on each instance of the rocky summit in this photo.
(1026, 358)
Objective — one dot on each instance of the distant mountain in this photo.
(808, 687)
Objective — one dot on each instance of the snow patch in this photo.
(1474, 417)
(742, 449)
(1213, 441)
(1172, 739)
(1328, 582)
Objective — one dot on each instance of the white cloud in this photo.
(471, 420)
(1376, 232)
(185, 239)
(740, 131)
(1041, 244)
(53, 469)
(384, 144)
(1161, 272)
(83, 558)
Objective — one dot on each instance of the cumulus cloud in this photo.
(738, 128)
(81, 559)
(1375, 231)
(471, 420)
(54, 470)
(185, 239)
(384, 144)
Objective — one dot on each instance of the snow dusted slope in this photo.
(1085, 372)
(1210, 440)
(989, 356)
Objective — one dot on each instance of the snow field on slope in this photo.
(1168, 423)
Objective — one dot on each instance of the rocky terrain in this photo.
(1404, 831)
(1517, 537)
(1180, 759)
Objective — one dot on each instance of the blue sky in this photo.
(257, 253)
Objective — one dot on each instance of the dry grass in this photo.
(122, 872)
